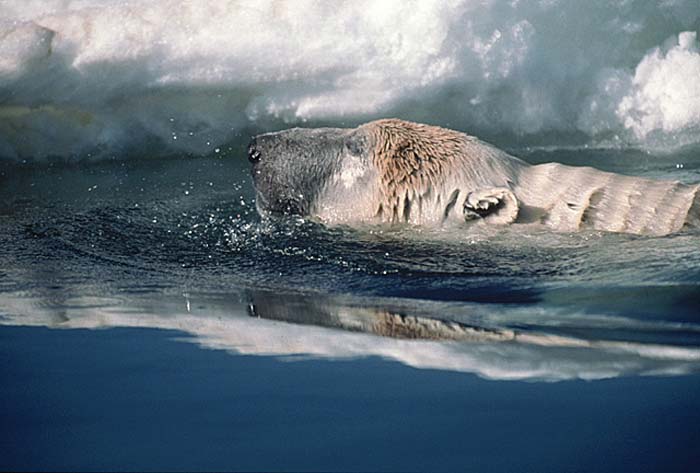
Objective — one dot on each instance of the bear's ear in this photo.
(356, 144)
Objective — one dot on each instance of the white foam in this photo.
(104, 77)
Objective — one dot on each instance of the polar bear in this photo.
(395, 171)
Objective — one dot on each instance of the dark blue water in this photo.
(152, 321)
(133, 399)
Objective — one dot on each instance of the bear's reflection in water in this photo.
(376, 321)
(498, 342)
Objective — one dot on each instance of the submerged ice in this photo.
(87, 78)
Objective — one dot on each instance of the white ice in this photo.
(92, 78)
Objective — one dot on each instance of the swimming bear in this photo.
(396, 171)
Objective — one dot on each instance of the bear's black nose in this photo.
(253, 152)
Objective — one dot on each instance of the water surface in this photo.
(152, 320)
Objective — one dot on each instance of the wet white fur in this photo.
(563, 198)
